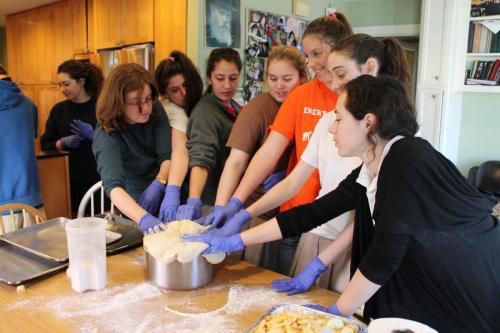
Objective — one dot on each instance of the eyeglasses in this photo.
(140, 104)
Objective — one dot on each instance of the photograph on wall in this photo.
(222, 23)
(264, 31)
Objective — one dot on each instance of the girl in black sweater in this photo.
(71, 123)
(424, 243)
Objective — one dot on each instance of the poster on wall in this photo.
(222, 23)
(264, 31)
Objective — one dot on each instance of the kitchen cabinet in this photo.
(79, 22)
(170, 27)
(44, 97)
(38, 41)
(53, 170)
(118, 23)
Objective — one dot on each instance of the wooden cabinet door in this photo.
(62, 32)
(13, 27)
(79, 22)
(43, 41)
(107, 23)
(137, 21)
(48, 96)
(170, 27)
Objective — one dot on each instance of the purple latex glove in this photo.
(151, 197)
(217, 243)
(273, 179)
(170, 203)
(221, 213)
(190, 211)
(71, 141)
(82, 129)
(332, 309)
(149, 223)
(234, 225)
(303, 281)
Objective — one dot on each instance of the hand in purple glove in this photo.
(71, 141)
(303, 281)
(217, 244)
(170, 203)
(82, 129)
(151, 197)
(221, 213)
(190, 211)
(149, 223)
(234, 225)
(332, 309)
(273, 179)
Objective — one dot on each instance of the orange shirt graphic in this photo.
(296, 119)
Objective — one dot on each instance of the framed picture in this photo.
(222, 23)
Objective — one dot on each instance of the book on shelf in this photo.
(483, 72)
(481, 82)
(482, 40)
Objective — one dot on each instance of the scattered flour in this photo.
(122, 308)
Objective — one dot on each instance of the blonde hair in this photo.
(291, 54)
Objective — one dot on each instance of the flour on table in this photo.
(167, 246)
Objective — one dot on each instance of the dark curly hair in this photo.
(179, 63)
(388, 100)
(84, 70)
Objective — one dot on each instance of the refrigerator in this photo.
(142, 54)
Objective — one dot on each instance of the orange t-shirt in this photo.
(296, 119)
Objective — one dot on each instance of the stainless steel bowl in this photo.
(178, 276)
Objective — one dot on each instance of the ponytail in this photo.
(330, 28)
(388, 53)
(394, 63)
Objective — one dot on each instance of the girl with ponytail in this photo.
(71, 123)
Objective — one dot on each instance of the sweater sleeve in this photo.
(107, 152)
(51, 134)
(203, 143)
(383, 256)
(163, 134)
(303, 218)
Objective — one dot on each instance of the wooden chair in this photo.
(15, 208)
(89, 197)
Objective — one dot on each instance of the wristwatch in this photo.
(163, 181)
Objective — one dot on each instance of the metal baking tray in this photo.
(48, 239)
(18, 266)
(286, 307)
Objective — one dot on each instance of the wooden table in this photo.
(233, 302)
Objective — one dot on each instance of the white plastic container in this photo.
(87, 253)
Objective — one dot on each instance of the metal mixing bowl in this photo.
(178, 276)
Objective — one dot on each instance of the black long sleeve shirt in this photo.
(434, 246)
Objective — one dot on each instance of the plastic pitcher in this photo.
(87, 253)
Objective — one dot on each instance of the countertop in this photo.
(49, 154)
(233, 302)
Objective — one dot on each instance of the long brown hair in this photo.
(111, 103)
(179, 63)
(388, 53)
(329, 28)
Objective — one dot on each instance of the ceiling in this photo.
(14, 6)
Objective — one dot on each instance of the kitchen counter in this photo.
(233, 302)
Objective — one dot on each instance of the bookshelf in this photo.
(482, 58)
